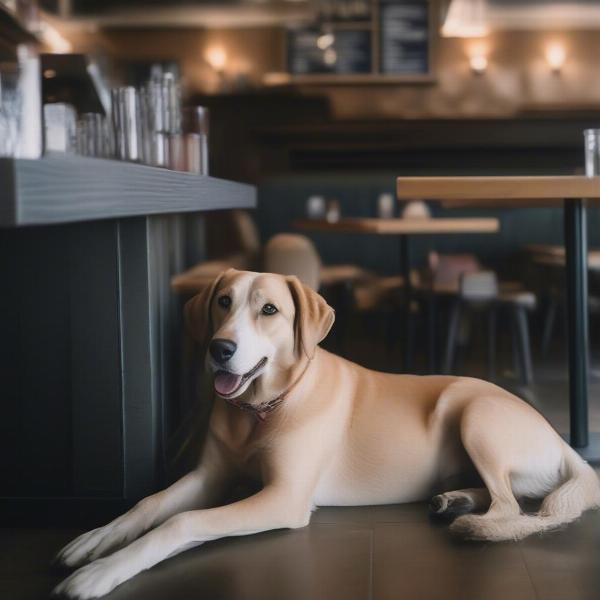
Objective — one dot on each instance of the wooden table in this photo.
(404, 229)
(573, 191)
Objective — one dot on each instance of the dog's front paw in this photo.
(90, 546)
(92, 581)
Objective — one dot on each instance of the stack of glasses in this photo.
(145, 126)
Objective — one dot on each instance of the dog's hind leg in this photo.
(486, 453)
(460, 502)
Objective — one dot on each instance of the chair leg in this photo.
(492, 343)
(432, 332)
(522, 327)
(549, 321)
(452, 337)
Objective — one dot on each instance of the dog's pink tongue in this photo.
(225, 383)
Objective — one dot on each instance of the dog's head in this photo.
(256, 326)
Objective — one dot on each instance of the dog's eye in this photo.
(268, 309)
(224, 301)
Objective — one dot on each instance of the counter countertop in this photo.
(69, 188)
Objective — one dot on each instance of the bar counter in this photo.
(91, 345)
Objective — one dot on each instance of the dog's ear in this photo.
(314, 317)
(196, 312)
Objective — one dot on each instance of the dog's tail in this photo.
(579, 491)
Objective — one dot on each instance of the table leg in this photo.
(432, 332)
(575, 222)
(408, 323)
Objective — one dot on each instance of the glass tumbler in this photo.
(11, 108)
(592, 152)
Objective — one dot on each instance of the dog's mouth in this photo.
(227, 384)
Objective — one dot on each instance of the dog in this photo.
(315, 429)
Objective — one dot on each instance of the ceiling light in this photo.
(466, 18)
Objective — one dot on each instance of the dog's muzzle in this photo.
(227, 383)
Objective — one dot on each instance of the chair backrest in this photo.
(293, 254)
(416, 209)
(447, 269)
(479, 287)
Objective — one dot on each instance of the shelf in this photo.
(68, 188)
(367, 78)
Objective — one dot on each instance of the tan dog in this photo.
(315, 429)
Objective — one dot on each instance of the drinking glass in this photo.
(93, 137)
(315, 207)
(195, 126)
(126, 126)
(592, 152)
(11, 107)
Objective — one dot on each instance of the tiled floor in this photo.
(379, 553)
(366, 553)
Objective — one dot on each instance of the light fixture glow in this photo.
(556, 56)
(466, 19)
(216, 57)
(54, 39)
(330, 56)
(479, 64)
(325, 40)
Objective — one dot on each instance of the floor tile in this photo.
(27, 551)
(320, 562)
(413, 560)
(416, 512)
(566, 564)
(342, 514)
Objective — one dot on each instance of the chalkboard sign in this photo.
(393, 45)
(348, 53)
(404, 36)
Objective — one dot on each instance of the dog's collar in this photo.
(262, 410)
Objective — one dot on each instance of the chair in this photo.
(550, 264)
(480, 292)
(353, 289)
(233, 237)
(292, 254)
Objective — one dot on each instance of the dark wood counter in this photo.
(94, 382)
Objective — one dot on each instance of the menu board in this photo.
(349, 52)
(404, 36)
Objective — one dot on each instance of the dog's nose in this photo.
(222, 350)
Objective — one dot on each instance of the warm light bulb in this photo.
(325, 40)
(556, 56)
(330, 56)
(216, 57)
(478, 64)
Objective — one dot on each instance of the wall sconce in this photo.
(479, 64)
(216, 57)
(555, 57)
